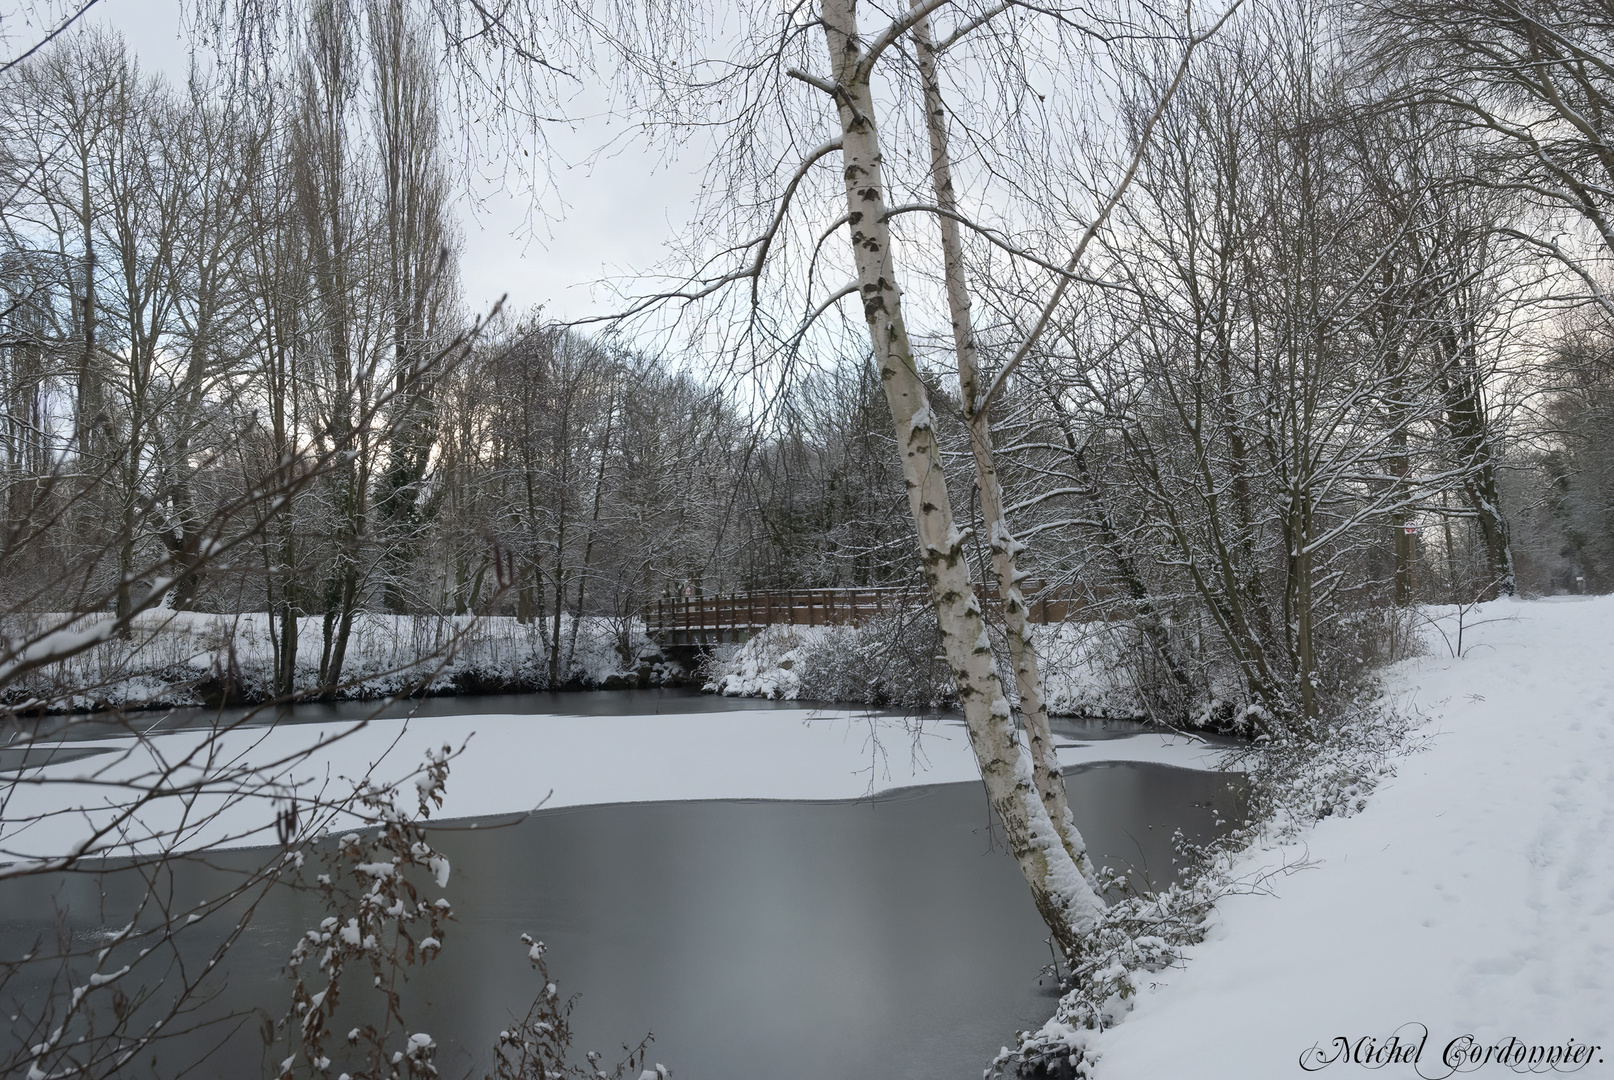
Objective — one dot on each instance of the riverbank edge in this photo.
(1292, 787)
(215, 692)
(182, 659)
(1469, 900)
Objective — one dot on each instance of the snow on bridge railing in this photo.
(725, 617)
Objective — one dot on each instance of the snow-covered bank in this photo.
(892, 660)
(514, 763)
(176, 658)
(1472, 896)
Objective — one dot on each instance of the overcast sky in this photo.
(615, 217)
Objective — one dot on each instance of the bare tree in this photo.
(868, 215)
(161, 308)
(418, 270)
(1535, 79)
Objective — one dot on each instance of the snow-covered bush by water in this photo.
(896, 661)
(379, 923)
(191, 658)
(1105, 669)
(892, 660)
(1087, 669)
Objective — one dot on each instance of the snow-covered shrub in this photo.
(1180, 672)
(378, 923)
(1092, 669)
(536, 1047)
(892, 660)
(177, 658)
(765, 666)
(1098, 669)
(1361, 641)
(1174, 673)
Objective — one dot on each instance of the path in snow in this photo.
(1474, 895)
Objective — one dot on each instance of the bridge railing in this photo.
(736, 616)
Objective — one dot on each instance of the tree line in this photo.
(1314, 366)
(239, 375)
(1339, 348)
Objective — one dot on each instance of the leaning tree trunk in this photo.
(1065, 900)
(1022, 649)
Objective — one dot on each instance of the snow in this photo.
(920, 421)
(1470, 903)
(1084, 670)
(169, 653)
(1082, 664)
(514, 763)
(1065, 879)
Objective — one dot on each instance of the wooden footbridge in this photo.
(726, 618)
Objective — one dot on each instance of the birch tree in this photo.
(1065, 899)
(846, 97)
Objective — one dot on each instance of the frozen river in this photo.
(886, 935)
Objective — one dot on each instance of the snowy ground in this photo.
(514, 763)
(170, 656)
(1474, 896)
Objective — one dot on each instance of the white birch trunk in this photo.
(1063, 896)
(1022, 649)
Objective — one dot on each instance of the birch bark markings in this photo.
(1063, 897)
(977, 417)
